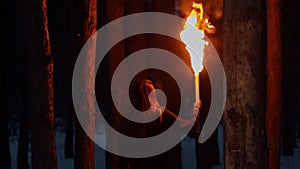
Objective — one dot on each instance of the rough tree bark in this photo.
(244, 63)
(40, 83)
(274, 72)
(84, 146)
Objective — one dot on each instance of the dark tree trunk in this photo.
(23, 142)
(84, 146)
(84, 149)
(290, 70)
(22, 95)
(244, 63)
(67, 28)
(40, 75)
(172, 157)
(72, 28)
(114, 9)
(166, 6)
(5, 14)
(5, 160)
(274, 75)
(61, 25)
(69, 139)
(208, 152)
(137, 42)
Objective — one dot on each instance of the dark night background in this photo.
(66, 36)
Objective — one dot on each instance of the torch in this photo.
(193, 37)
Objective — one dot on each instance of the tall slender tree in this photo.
(5, 159)
(274, 76)
(5, 15)
(40, 83)
(290, 69)
(23, 141)
(84, 146)
(114, 10)
(23, 107)
(244, 63)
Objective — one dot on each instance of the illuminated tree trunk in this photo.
(40, 75)
(244, 63)
(274, 69)
(84, 146)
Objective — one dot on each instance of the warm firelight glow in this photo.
(193, 37)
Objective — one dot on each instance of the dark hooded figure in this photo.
(142, 100)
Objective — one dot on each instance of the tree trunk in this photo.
(114, 9)
(23, 142)
(5, 160)
(6, 13)
(71, 28)
(290, 92)
(69, 139)
(84, 146)
(166, 6)
(274, 69)
(40, 74)
(244, 63)
(137, 42)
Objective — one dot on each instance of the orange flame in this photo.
(193, 36)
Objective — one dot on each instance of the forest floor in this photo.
(188, 152)
(291, 162)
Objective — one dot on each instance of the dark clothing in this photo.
(171, 159)
(208, 152)
(168, 160)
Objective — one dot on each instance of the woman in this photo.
(142, 100)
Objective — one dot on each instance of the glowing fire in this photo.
(193, 36)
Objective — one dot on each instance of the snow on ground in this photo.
(188, 152)
(291, 162)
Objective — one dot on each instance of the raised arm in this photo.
(184, 122)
